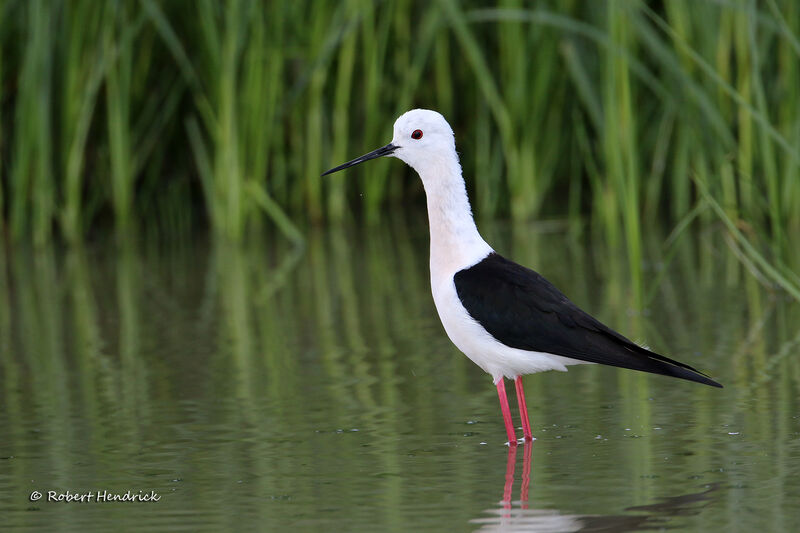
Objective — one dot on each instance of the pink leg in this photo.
(501, 392)
(523, 409)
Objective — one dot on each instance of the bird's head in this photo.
(421, 137)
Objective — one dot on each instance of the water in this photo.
(266, 388)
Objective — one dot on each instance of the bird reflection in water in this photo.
(518, 516)
(511, 464)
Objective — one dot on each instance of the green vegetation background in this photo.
(613, 115)
(658, 129)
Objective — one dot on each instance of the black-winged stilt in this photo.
(506, 318)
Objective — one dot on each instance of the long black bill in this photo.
(380, 152)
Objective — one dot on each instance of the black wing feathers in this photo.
(521, 309)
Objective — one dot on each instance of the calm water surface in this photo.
(264, 387)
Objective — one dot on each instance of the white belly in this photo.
(471, 338)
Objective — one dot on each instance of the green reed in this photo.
(2, 124)
(163, 114)
(30, 183)
(84, 58)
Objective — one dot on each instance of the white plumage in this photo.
(456, 244)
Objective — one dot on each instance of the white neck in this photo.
(455, 241)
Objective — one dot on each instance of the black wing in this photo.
(521, 309)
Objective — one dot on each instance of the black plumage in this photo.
(521, 309)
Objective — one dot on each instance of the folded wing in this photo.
(523, 310)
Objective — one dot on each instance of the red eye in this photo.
(417, 134)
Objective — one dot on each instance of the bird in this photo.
(506, 318)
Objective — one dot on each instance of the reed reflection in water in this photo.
(266, 386)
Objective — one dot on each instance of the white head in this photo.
(424, 140)
(421, 138)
